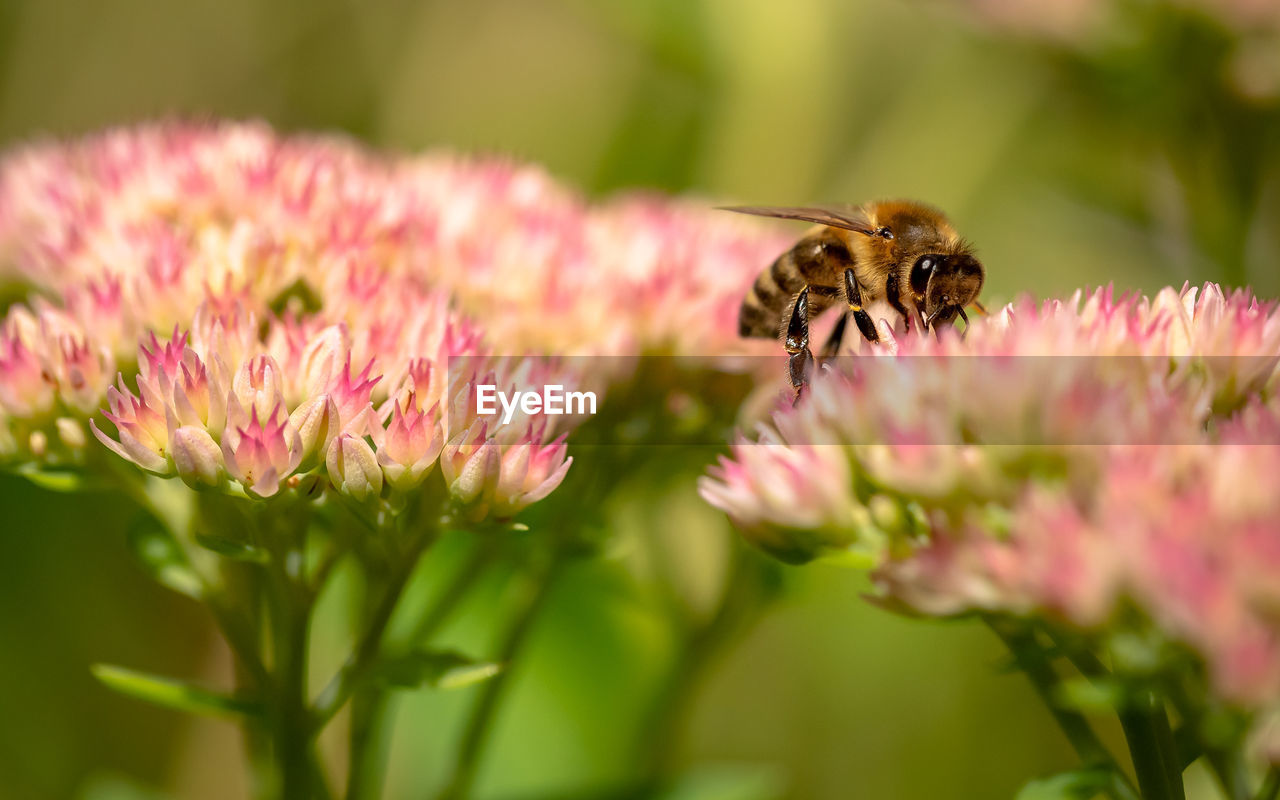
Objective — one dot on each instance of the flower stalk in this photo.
(534, 593)
(1036, 665)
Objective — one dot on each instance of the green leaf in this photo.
(115, 787)
(54, 479)
(728, 782)
(439, 669)
(1079, 784)
(163, 557)
(1084, 694)
(174, 694)
(232, 549)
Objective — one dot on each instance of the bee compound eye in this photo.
(920, 273)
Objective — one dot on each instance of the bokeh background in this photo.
(1077, 142)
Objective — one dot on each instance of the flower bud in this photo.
(257, 387)
(470, 462)
(71, 432)
(324, 358)
(196, 456)
(353, 468)
(316, 422)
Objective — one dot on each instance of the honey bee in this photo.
(901, 251)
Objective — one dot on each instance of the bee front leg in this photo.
(853, 296)
(796, 341)
(894, 293)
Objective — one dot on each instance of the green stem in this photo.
(293, 734)
(463, 580)
(371, 726)
(1223, 762)
(1232, 771)
(1146, 729)
(356, 667)
(1031, 659)
(283, 535)
(485, 710)
(1167, 746)
(290, 622)
(741, 598)
(1270, 788)
(366, 744)
(243, 642)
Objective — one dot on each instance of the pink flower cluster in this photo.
(220, 403)
(284, 306)
(1062, 460)
(135, 227)
(636, 275)
(129, 231)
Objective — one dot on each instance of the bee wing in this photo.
(847, 217)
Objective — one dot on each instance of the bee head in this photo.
(948, 282)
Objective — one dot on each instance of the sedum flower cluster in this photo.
(302, 332)
(247, 308)
(1075, 462)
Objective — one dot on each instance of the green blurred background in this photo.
(1133, 142)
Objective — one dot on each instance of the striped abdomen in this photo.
(818, 261)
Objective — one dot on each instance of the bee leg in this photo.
(832, 346)
(800, 364)
(892, 291)
(853, 296)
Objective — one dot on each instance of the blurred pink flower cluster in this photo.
(259, 254)
(1062, 461)
(134, 228)
(131, 230)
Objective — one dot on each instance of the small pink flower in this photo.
(257, 387)
(410, 445)
(791, 501)
(26, 388)
(46, 359)
(488, 478)
(142, 431)
(261, 452)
